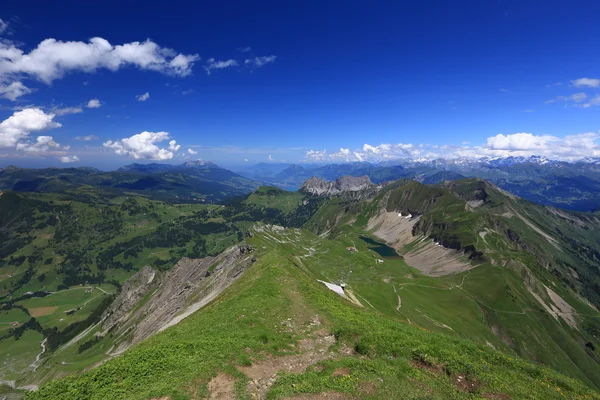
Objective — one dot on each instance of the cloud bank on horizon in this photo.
(569, 148)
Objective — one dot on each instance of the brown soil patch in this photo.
(368, 388)
(499, 396)
(465, 384)
(320, 396)
(222, 387)
(161, 398)
(41, 311)
(437, 369)
(341, 372)
(311, 352)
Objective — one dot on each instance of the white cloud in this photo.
(211, 64)
(316, 155)
(245, 160)
(42, 144)
(577, 98)
(567, 148)
(3, 26)
(94, 103)
(52, 58)
(13, 90)
(245, 49)
(519, 141)
(586, 82)
(529, 110)
(192, 152)
(86, 138)
(143, 146)
(595, 101)
(143, 97)
(68, 159)
(67, 110)
(22, 123)
(173, 146)
(259, 61)
(270, 157)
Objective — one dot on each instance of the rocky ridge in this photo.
(150, 302)
(320, 187)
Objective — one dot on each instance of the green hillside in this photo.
(457, 290)
(277, 314)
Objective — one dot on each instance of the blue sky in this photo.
(296, 81)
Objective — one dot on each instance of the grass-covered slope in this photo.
(529, 262)
(277, 316)
(63, 257)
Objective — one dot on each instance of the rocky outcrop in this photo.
(150, 303)
(132, 292)
(319, 187)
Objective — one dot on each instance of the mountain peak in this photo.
(320, 187)
(200, 163)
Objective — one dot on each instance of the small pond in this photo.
(382, 249)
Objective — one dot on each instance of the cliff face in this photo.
(150, 303)
(319, 187)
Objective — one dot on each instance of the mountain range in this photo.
(196, 181)
(573, 186)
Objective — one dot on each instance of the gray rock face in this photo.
(131, 293)
(172, 296)
(319, 187)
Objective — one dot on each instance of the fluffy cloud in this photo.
(68, 159)
(13, 90)
(519, 141)
(52, 58)
(211, 64)
(94, 103)
(192, 152)
(42, 144)
(143, 146)
(259, 61)
(22, 123)
(567, 148)
(586, 82)
(173, 146)
(67, 110)
(316, 155)
(143, 97)
(86, 138)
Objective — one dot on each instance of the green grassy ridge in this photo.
(523, 252)
(471, 303)
(86, 238)
(180, 361)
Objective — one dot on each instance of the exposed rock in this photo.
(319, 187)
(132, 292)
(175, 295)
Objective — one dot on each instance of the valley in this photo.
(461, 277)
